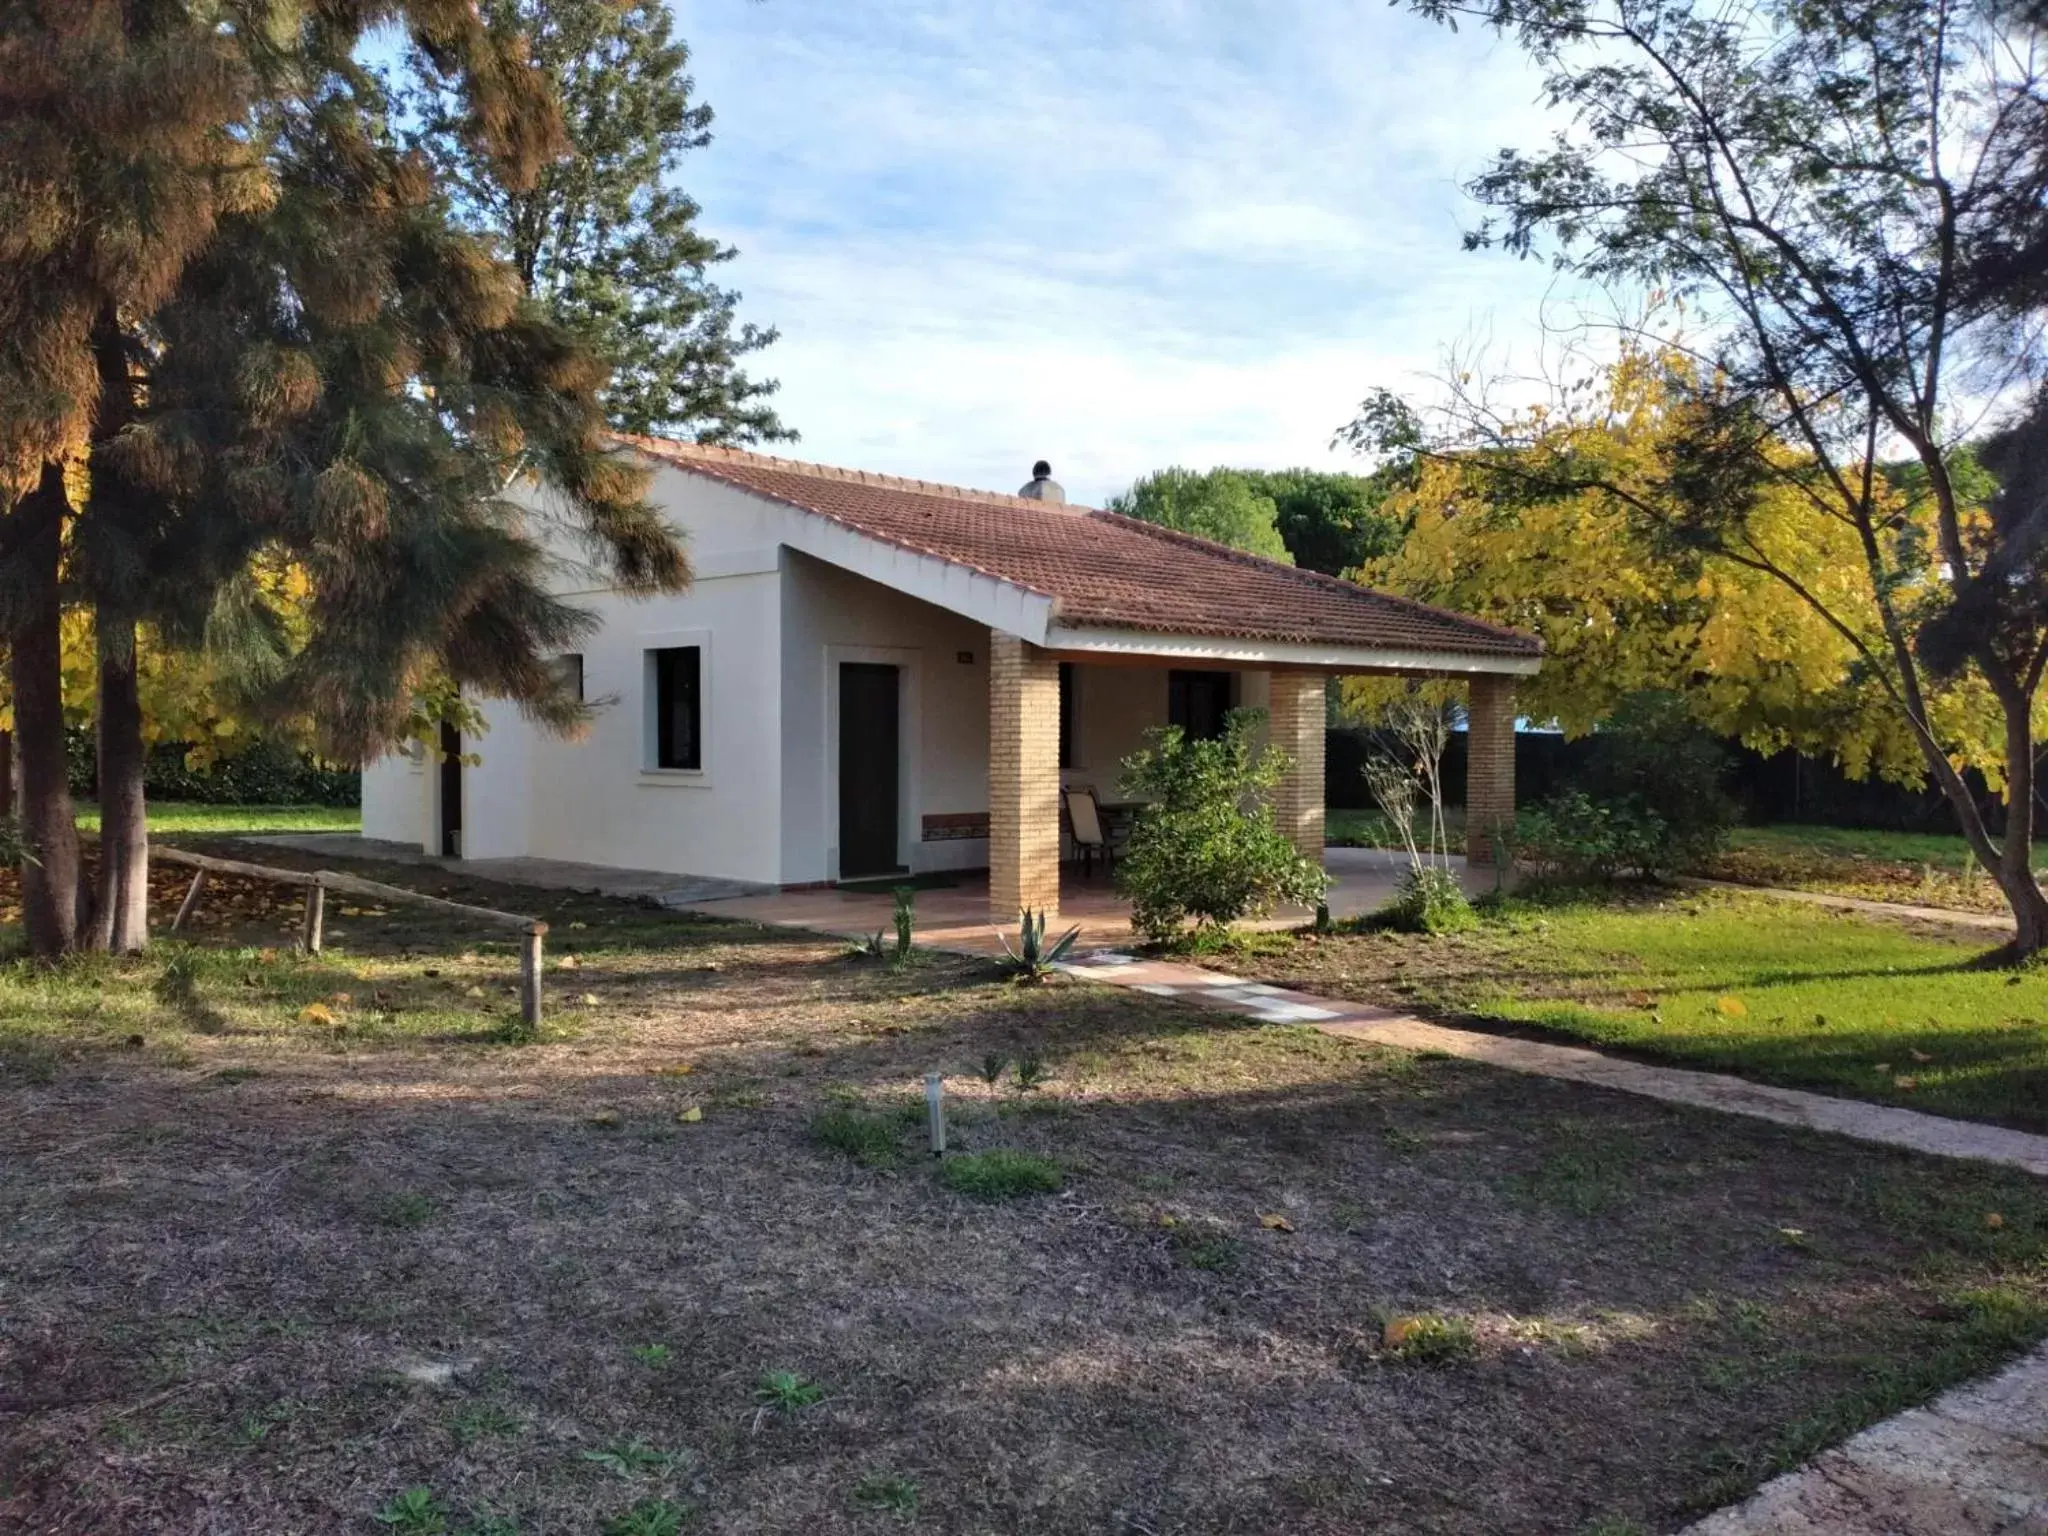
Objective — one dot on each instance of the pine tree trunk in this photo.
(49, 875)
(6, 775)
(121, 917)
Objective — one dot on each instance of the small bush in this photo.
(649, 1517)
(884, 1493)
(787, 1391)
(1651, 800)
(1204, 848)
(1206, 1245)
(1651, 754)
(1002, 1175)
(1428, 1339)
(868, 1139)
(1430, 901)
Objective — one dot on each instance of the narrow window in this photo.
(678, 707)
(1197, 702)
(569, 668)
(1069, 704)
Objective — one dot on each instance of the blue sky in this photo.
(1115, 235)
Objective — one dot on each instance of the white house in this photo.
(872, 675)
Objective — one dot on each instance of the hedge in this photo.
(265, 774)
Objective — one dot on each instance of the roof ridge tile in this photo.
(667, 447)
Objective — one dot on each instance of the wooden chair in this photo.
(1084, 824)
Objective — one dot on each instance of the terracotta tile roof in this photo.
(1102, 570)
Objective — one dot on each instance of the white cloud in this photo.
(1115, 236)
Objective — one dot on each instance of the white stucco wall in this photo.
(830, 616)
(395, 799)
(598, 798)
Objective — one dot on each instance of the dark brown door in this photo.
(869, 772)
(451, 792)
(1197, 702)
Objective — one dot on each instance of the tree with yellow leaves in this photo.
(1623, 606)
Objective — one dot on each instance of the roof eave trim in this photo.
(1336, 658)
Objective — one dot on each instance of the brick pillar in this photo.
(1490, 768)
(1297, 719)
(1023, 780)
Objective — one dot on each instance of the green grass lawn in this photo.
(1918, 868)
(1768, 989)
(1944, 850)
(171, 818)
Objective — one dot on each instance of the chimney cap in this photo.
(1042, 486)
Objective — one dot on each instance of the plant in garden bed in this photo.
(905, 918)
(1428, 1339)
(886, 1493)
(1429, 900)
(1002, 1174)
(868, 1139)
(1031, 958)
(1204, 848)
(1405, 779)
(787, 1392)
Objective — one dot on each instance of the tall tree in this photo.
(1221, 504)
(1330, 521)
(604, 235)
(1813, 178)
(324, 371)
(1520, 536)
(1322, 520)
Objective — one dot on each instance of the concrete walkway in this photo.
(1989, 922)
(682, 892)
(1974, 1462)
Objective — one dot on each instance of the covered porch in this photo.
(1039, 702)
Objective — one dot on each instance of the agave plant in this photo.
(905, 918)
(1031, 957)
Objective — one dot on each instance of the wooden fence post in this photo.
(529, 976)
(191, 902)
(316, 916)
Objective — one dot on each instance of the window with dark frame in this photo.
(1068, 705)
(1197, 702)
(569, 668)
(678, 707)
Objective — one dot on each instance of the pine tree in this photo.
(603, 236)
(309, 363)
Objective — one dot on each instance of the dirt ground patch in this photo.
(283, 1239)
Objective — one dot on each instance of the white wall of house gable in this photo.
(497, 789)
(831, 616)
(395, 799)
(599, 799)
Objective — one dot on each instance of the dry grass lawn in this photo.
(290, 1246)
